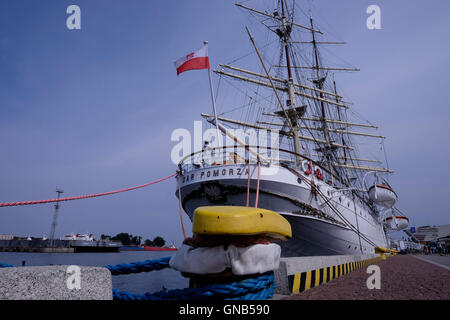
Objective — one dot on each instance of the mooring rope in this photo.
(137, 267)
(260, 288)
(5, 265)
(248, 185)
(25, 203)
(257, 184)
(180, 204)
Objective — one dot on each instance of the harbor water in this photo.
(136, 283)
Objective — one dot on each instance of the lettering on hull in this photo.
(198, 176)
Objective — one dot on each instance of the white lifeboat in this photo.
(382, 195)
(396, 222)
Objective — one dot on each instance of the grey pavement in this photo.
(436, 259)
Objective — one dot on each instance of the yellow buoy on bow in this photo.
(245, 221)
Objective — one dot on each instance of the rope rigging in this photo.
(336, 211)
(25, 203)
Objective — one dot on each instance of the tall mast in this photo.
(319, 83)
(340, 119)
(342, 136)
(286, 32)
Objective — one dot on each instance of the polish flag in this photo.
(193, 61)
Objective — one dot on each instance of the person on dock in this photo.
(441, 248)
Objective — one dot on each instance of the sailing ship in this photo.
(314, 173)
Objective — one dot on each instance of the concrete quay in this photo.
(402, 277)
(58, 246)
(298, 274)
(55, 283)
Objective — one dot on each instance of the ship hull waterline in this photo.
(316, 228)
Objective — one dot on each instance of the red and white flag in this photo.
(193, 61)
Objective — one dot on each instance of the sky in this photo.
(93, 110)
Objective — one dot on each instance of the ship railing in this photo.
(210, 157)
(232, 155)
(237, 154)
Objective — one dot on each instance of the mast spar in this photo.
(285, 34)
(332, 125)
(319, 84)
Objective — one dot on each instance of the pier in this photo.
(402, 277)
(55, 283)
(58, 246)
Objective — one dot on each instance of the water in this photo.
(136, 283)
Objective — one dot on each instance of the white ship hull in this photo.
(317, 229)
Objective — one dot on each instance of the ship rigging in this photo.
(320, 186)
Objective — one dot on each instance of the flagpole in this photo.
(213, 101)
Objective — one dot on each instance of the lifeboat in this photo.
(383, 195)
(396, 222)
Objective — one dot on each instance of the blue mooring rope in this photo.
(5, 265)
(137, 267)
(260, 288)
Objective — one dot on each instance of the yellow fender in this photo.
(382, 251)
(236, 220)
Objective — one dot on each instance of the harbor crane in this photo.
(55, 217)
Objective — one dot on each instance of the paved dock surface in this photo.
(443, 261)
(403, 277)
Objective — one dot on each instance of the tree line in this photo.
(129, 239)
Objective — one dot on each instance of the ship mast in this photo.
(342, 135)
(290, 114)
(319, 84)
(285, 34)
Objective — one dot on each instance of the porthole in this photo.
(299, 181)
(340, 199)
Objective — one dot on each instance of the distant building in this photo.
(432, 234)
(6, 237)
